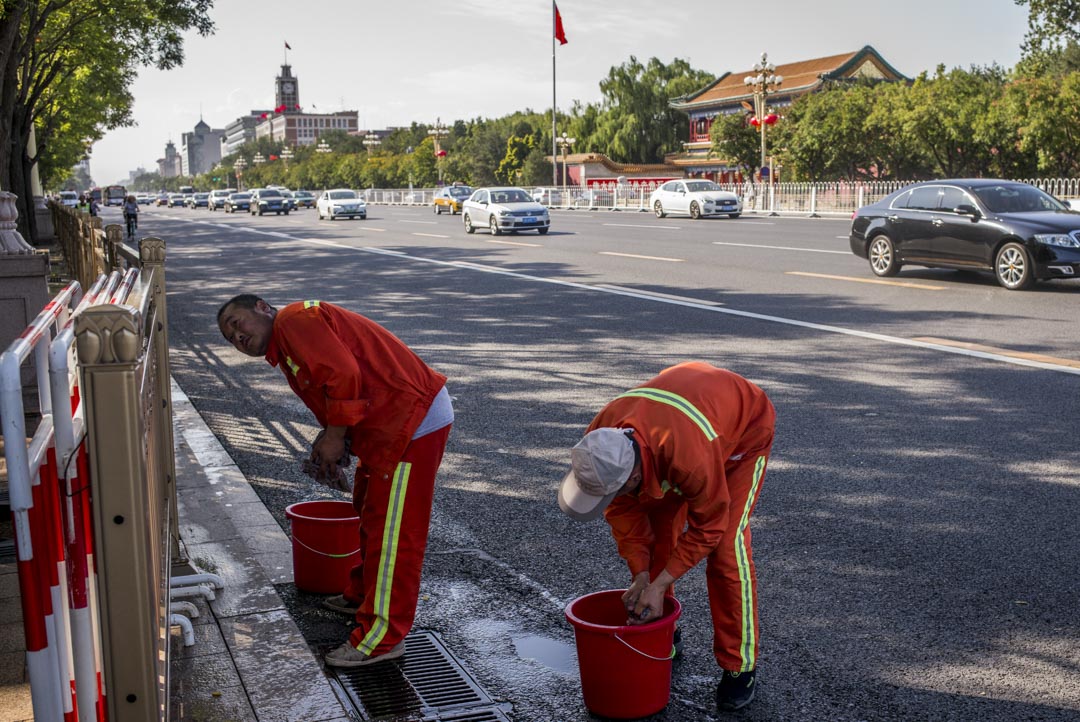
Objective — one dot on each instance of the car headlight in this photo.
(502, 212)
(1057, 239)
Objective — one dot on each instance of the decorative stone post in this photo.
(24, 274)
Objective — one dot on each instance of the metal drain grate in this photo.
(427, 683)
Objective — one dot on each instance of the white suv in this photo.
(217, 198)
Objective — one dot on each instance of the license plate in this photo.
(529, 219)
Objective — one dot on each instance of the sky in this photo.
(461, 59)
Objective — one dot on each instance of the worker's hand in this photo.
(328, 449)
(630, 596)
(650, 602)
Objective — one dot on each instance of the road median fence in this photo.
(834, 199)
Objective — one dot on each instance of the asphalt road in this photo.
(915, 539)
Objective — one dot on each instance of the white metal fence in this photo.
(812, 199)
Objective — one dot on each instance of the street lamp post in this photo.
(239, 167)
(323, 147)
(438, 132)
(371, 142)
(564, 144)
(761, 85)
(286, 156)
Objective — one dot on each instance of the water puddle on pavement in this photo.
(551, 653)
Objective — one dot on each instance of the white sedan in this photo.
(696, 197)
(341, 202)
(504, 210)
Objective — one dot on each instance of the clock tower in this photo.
(288, 92)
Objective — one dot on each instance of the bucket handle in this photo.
(658, 659)
(324, 554)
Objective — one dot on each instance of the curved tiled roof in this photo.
(613, 165)
(801, 76)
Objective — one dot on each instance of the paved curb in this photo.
(250, 661)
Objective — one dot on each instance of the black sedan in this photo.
(1014, 230)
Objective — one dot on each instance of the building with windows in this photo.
(287, 123)
(200, 150)
(729, 94)
(240, 131)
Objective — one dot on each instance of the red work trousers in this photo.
(729, 568)
(394, 517)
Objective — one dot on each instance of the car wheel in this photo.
(1012, 266)
(695, 210)
(468, 224)
(286, 213)
(493, 226)
(437, 210)
(260, 211)
(734, 215)
(320, 214)
(659, 210)
(542, 231)
(883, 257)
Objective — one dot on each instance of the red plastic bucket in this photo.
(625, 670)
(325, 544)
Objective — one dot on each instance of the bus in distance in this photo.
(115, 195)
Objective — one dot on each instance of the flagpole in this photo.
(554, 155)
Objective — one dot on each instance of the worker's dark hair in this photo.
(244, 300)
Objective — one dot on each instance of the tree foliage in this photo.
(1052, 24)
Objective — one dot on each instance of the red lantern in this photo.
(771, 118)
(441, 154)
(754, 121)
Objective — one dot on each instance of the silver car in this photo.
(504, 210)
(341, 203)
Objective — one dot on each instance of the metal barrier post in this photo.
(131, 524)
(813, 202)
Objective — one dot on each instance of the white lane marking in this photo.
(634, 255)
(657, 294)
(780, 248)
(427, 223)
(755, 223)
(517, 243)
(430, 235)
(377, 230)
(879, 281)
(642, 225)
(868, 335)
(846, 238)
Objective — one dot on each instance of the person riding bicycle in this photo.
(131, 215)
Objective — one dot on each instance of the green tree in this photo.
(513, 163)
(637, 123)
(1052, 125)
(1051, 25)
(736, 141)
(45, 44)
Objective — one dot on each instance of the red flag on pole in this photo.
(560, 34)
(287, 46)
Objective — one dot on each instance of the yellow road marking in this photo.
(517, 243)
(906, 284)
(1041, 358)
(634, 255)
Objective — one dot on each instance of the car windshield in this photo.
(269, 194)
(303, 194)
(461, 191)
(698, 186)
(512, 195)
(240, 196)
(1016, 198)
(69, 194)
(202, 196)
(342, 195)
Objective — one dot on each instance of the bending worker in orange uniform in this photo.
(676, 466)
(363, 384)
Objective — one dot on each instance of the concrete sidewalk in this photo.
(250, 661)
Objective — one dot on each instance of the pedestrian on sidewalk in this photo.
(367, 388)
(676, 466)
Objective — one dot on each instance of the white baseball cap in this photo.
(600, 464)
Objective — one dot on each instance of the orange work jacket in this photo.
(689, 422)
(350, 371)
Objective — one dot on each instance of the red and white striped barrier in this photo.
(52, 525)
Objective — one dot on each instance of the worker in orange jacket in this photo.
(676, 466)
(366, 386)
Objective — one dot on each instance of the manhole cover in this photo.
(426, 683)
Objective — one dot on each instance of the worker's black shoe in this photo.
(676, 643)
(735, 691)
